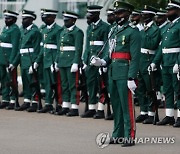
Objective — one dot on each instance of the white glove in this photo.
(152, 67)
(35, 65)
(132, 86)
(74, 67)
(105, 69)
(176, 69)
(30, 70)
(84, 66)
(178, 76)
(11, 67)
(55, 68)
(96, 61)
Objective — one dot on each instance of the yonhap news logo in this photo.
(103, 139)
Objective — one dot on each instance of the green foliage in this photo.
(155, 3)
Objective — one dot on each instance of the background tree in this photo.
(155, 3)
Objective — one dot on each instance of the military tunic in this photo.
(9, 46)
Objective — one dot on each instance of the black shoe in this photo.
(33, 108)
(23, 107)
(21, 94)
(64, 111)
(116, 140)
(46, 108)
(177, 123)
(73, 112)
(88, 114)
(149, 120)
(56, 110)
(162, 104)
(128, 143)
(10, 106)
(136, 102)
(4, 105)
(110, 117)
(99, 115)
(167, 120)
(141, 118)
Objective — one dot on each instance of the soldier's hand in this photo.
(74, 67)
(152, 67)
(105, 69)
(35, 65)
(132, 86)
(96, 61)
(84, 66)
(10, 67)
(30, 70)
(54, 68)
(176, 68)
(178, 76)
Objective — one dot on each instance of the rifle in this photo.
(35, 83)
(13, 86)
(104, 91)
(152, 93)
(83, 87)
(54, 87)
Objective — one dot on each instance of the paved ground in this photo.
(33, 133)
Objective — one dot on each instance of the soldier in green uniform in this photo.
(70, 46)
(123, 58)
(112, 24)
(29, 49)
(136, 19)
(9, 45)
(47, 56)
(150, 38)
(40, 67)
(169, 55)
(97, 33)
(162, 23)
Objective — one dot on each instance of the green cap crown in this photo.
(118, 5)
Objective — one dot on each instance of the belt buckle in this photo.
(61, 48)
(45, 45)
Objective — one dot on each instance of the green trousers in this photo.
(41, 75)
(70, 83)
(92, 78)
(28, 90)
(143, 87)
(5, 78)
(49, 79)
(123, 109)
(171, 86)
